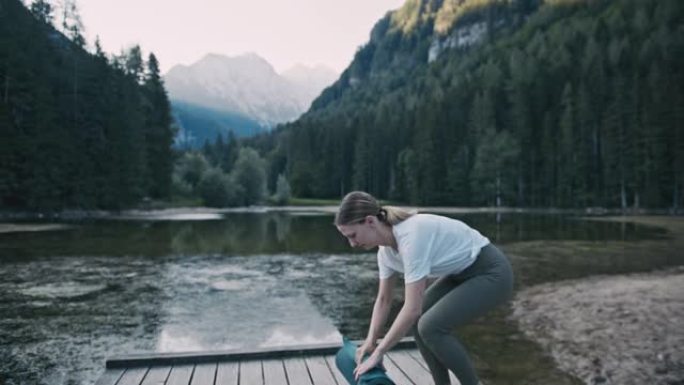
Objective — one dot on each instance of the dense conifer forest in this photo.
(79, 129)
(559, 103)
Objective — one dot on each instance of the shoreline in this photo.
(6, 228)
(16, 222)
(612, 329)
(153, 213)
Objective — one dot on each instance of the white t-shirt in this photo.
(430, 245)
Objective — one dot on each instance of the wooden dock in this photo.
(297, 365)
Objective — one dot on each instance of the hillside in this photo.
(561, 103)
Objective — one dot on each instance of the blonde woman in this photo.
(473, 277)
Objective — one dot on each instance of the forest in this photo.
(79, 129)
(557, 103)
(562, 104)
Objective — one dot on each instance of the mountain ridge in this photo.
(246, 87)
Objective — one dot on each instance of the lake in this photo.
(71, 297)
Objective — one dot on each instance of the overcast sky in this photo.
(284, 32)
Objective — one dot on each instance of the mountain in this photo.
(243, 93)
(415, 35)
(309, 81)
(561, 103)
(198, 124)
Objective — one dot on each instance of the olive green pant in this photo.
(453, 301)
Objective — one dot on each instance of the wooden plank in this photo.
(204, 374)
(418, 357)
(336, 372)
(415, 353)
(251, 373)
(274, 372)
(180, 375)
(319, 371)
(172, 359)
(157, 375)
(296, 371)
(411, 367)
(133, 376)
(110, 377)
(227, 373)
(395, 373)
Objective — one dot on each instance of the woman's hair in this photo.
(357, 205)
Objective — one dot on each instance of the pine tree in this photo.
(158, 132)
(493, 176)
(133, 63)
(407, 176)
(520, 120)
(588, 172)
(568, 151)
(42, 10)
(99, 53)
(363, 153)
(481, 116)
(229, 155)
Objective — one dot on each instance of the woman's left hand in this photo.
(372, 361)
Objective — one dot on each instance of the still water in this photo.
(70, 298)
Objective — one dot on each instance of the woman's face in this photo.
(364, 234)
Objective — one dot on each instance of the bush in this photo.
(190, 168)
(249, 172)
(214, 189)
(179, 187)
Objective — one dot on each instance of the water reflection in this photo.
(222, 303)
(68, 299)
(278, 232)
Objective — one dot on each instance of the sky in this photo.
(284, 32)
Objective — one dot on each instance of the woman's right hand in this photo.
(366, 348)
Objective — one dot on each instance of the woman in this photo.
(473, 277)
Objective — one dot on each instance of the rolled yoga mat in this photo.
(345, 361)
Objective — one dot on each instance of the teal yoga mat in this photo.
(346, 364)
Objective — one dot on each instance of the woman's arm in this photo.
(379, 317)
(407, 317)
(381, 308)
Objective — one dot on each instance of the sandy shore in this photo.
(625, 330)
